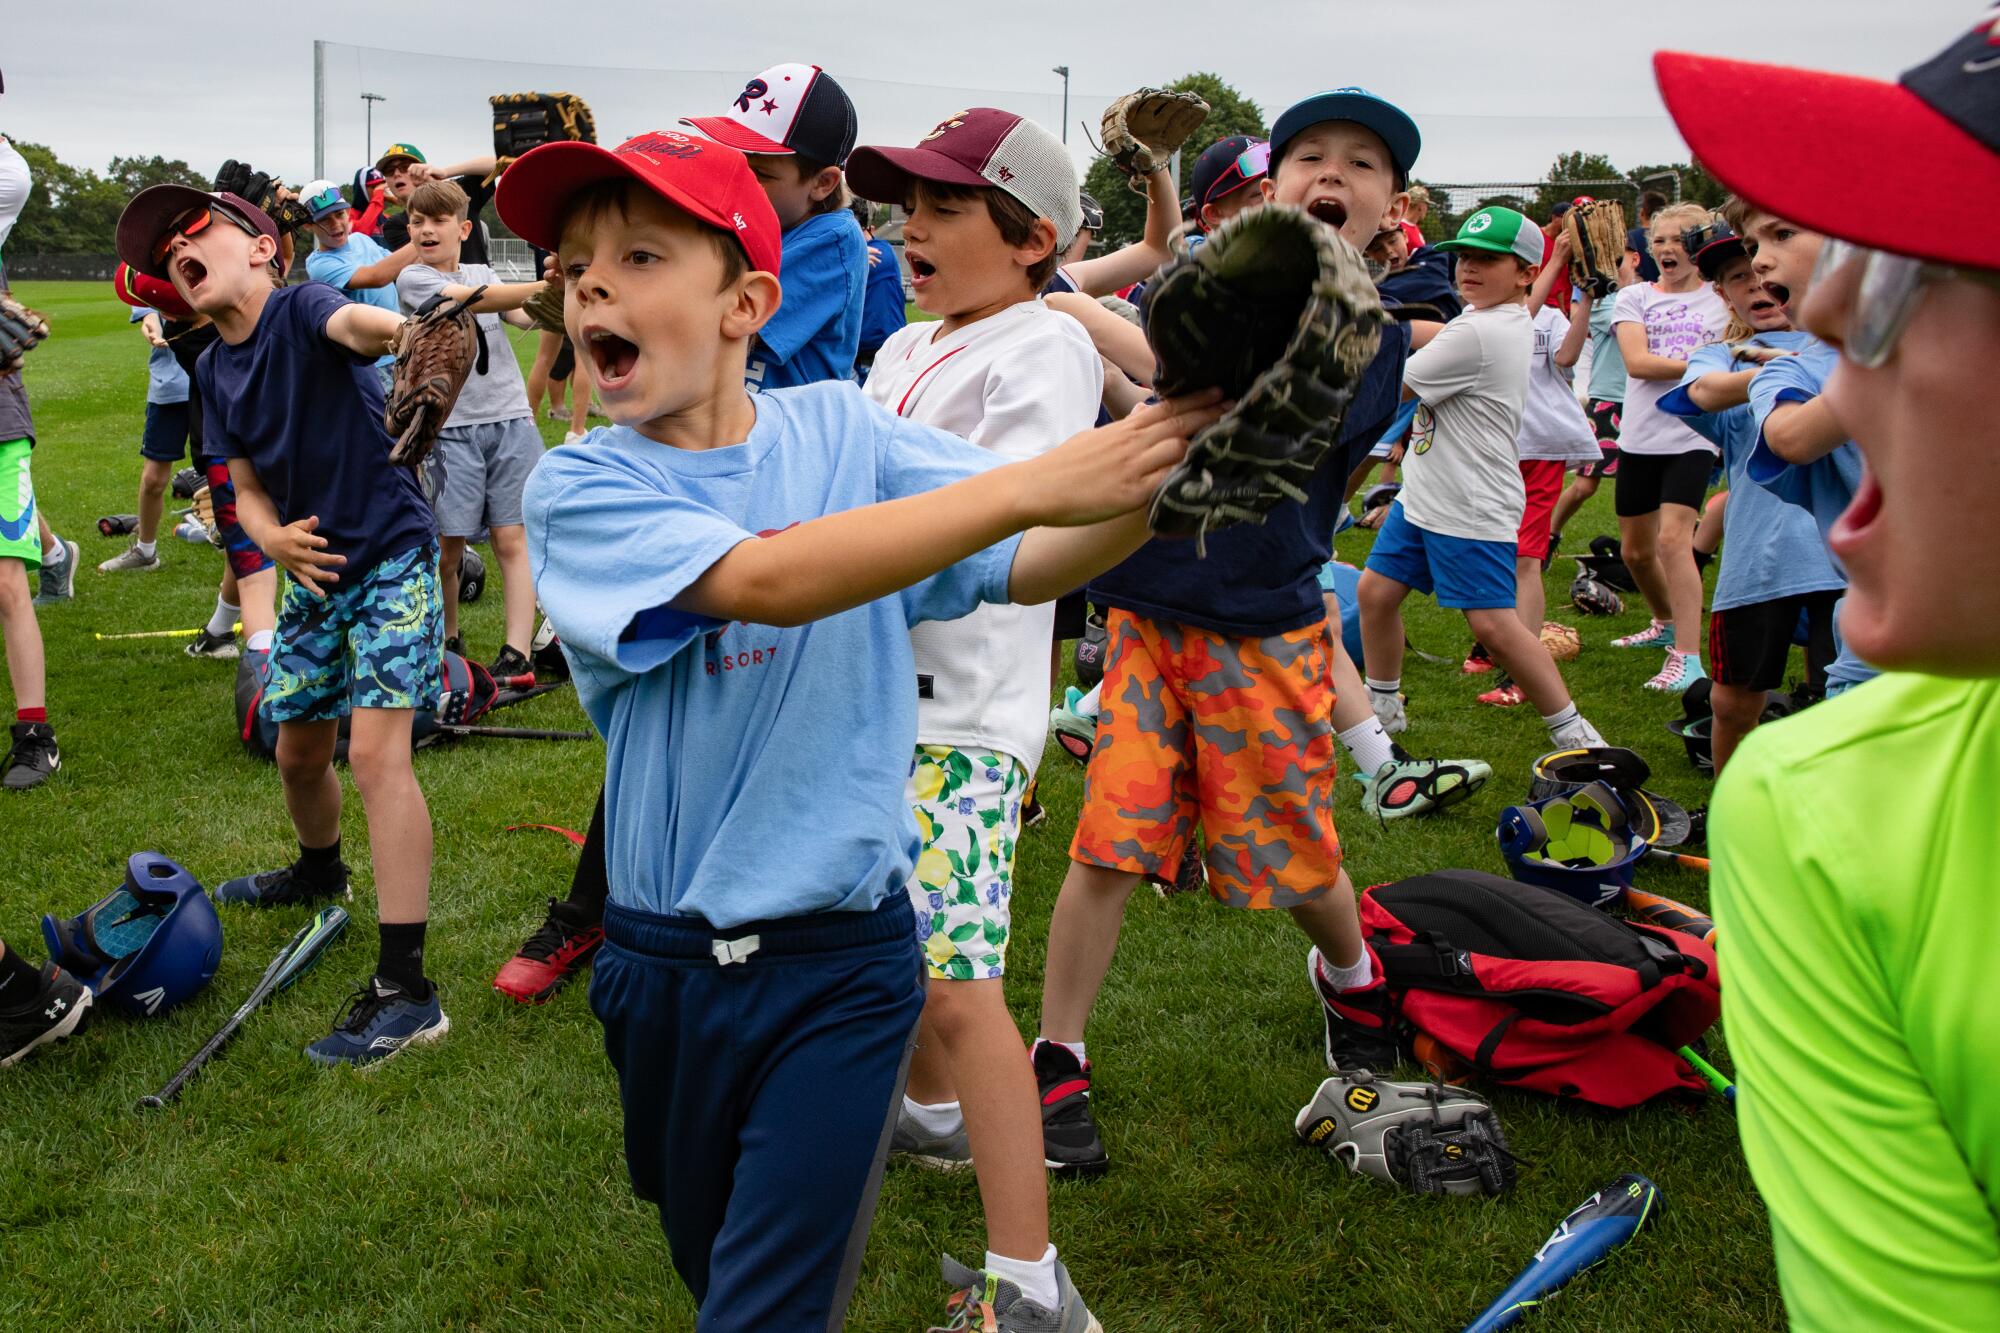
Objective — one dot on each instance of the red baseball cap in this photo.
(708, 181)
(1939, 125)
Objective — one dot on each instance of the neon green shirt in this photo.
(1857, 894)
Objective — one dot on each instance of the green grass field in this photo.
(480, 1184)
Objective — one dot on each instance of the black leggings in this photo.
(1647, 481)
(591, 886)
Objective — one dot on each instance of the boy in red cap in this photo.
(1854, 845)
(733, 577)
(991, 202)
(290, 398)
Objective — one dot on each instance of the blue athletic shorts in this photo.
(375, 643)
(1466, 574)
(166, 437)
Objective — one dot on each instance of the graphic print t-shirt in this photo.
(1675, 323)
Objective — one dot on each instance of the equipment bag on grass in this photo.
(1538, 991)
(466, 693)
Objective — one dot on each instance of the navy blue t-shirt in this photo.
(1425, 280)
(307, 413)
(882, 310)
(1261, 579)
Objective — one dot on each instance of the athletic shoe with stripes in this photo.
(1360, 1028)
(1681, 670)
(1070, 1144)
(380, 1019)
(52, 1013)
(1658, 634)
(287, 886)
(1407, 786)
(988, 1303)
(560, 948)
(947, 1152)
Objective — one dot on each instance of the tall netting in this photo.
(1452, 201)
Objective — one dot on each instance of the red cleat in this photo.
(557, 951)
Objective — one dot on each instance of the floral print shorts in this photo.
(968, 806)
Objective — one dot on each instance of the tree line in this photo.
(74, 210)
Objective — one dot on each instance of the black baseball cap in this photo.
(1217, 173)
(1712, 245)
(796, 109)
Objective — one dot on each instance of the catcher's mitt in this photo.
(545, 307)
(1562, 641)
(522, 121)
(262, 189)
(1596, 232)
(20, 329)
(1593, 597)
(1430, 1138)
(1277, 309)
(434, 354)
(1143, 130)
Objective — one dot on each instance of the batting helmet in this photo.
(1655, 818)
(471, 576)
(149, 944)
(1580, 844)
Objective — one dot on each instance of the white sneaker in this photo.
(1389, 712)
(130, 558)
(1578, 735)
(571, 437)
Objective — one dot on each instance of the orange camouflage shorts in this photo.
(1233, 734)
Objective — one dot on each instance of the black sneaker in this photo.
(455, 644)
(50, 1014)
(1032, 812)
(221, 647)
(512, 670)
(1360, 1027)
(1070, 1144)
(33, 757)
(287, 887)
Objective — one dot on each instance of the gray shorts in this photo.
(477, 473)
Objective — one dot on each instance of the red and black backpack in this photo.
(1535, 990)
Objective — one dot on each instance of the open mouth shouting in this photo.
(1328, 210)
(613, 358)
(922, 271)
(192, 273)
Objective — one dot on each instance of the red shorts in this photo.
(1235, 734)
(1543, 478)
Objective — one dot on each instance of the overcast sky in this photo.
(93, 78)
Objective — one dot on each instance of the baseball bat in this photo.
(1580, 1242)
(313, 939)
(1662, 911)
(159, 634)
(1678, 858)
(514, 733)
(1716, 1078)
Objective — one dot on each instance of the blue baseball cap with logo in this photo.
(1362, 107)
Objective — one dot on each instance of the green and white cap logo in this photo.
(1501, 231)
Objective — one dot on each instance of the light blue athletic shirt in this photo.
(1770, 549)
(753, 772)
(335, 267)
(1822, 487)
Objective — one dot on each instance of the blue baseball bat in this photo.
(1581, 1241)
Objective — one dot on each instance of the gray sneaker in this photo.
(986, 1303)
(130, 558)
(58, 578)
(951, 1153)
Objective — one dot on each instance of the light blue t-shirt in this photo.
(1823, 487)
(752, 772)
(166, 382)
(1607, 363)
(335, 267)
(816, 331)
(1772, 549)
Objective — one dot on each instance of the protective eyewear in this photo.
(325, 202)
(193, 223)
(1886, 296)
(1251, 163)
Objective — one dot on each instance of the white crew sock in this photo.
(1369, 745)
(1035, 1277)
(1359, 974)
(53, 551)
(260, 642)
(939, 1121)
(146, 548)
(1564, 717)
(1075, 1048)
(225, 617)
(1089, 703)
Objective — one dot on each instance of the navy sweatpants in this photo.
(760, 1094)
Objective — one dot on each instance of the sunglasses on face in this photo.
(325, 201)
(1885, 297)
(193, 223)
(1251, 163)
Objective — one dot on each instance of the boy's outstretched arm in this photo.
(1123, 267)
(382, 273)
(365, 330)
(843, 560)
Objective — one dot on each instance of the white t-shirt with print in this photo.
(1676, 323)
(1461, 473)
(1553, 426)
(1018, 383)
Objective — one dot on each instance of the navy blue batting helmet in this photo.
(149, 944)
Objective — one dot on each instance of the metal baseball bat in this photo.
(1664, 911)
(291, 963)
(1580, 1242)
(161, 633)
(1715, 1077)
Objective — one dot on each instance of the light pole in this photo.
(1064, 71)
(371, 99)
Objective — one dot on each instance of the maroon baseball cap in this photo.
(1934, 135)
(155, 208)
(980, 147)
(787, 109)
(708, 181)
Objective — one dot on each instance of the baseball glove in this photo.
(1430, 1138)
(1593, 597)
(1562, 641)
(545, 307)
(187, 481)
(204, 514)
(1143, 130)
(1596, 232)
(20, 329)
(1277, 310)
(262, 189)
(434, 354)
(522, 121)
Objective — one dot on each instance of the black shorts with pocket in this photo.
(1647, 481)
(1748, 645)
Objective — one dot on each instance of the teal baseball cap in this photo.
(1363, 108)
(1501, 231)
